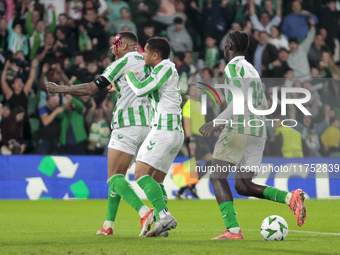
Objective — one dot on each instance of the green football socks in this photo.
(113, 201)
(121, 186)
(274, 194)
(165, 195)
(229, 215)
(153, 192)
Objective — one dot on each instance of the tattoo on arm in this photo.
(85, 89)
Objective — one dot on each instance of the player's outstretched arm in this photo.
(85, 89)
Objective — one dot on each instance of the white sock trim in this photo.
(114, 176)
(164, 213)
(142, 177)
(143, 210)
(108, 224)
(288, 198)
(234, 230)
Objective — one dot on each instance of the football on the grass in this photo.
(274, 228)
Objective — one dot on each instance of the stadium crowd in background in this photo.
(293, 43)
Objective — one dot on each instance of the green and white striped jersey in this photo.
(130, 110)
(162, 89)
(240, 73)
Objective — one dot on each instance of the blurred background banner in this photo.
(81, 177)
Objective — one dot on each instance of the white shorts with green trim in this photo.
(128, 139)
(245, 151)
(160, 149)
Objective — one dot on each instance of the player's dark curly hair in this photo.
(159, 45)
(239, 41)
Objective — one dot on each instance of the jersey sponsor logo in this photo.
(120, 136)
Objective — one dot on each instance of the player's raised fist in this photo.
(51, 87)
(111, 88)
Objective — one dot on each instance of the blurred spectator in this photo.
(180, 40)
(89, 73)
(148, 32)
(99, 132)
(62, 20)
(212, 54)
(279, 67)
(265, 23)
(316, 50)
(73, 132)
(298, 57)
(37, 33)
(49, 127)
(12, 131)
(5, 111)
(188, 61)
(288, 141)
(93, 27)
(17, 41)
(269, 8)
(48, 4)
(327, 39)
(330, 19)
(45, 53)
(125, 20)
(142, 11)
(295, 25)
(74, 9)
(277, 39)
(18, 94)
(243, 12)
(113, 10)
(265, 53)
(3, 34)
(84, 41)
(65, 44)
(311, 132)
(217, 17)
(166, 14)
(331, 137)
(181, 66)
(327, 66)
(330, 70)
(315, 102)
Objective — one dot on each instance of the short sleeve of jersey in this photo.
(186, 109)
(115, 70)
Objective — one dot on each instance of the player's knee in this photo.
(117, 169)
(240, 187)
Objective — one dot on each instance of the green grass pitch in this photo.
(68, 227)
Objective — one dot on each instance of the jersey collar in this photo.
(132, 53)
(164, 61)
(236, 58)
